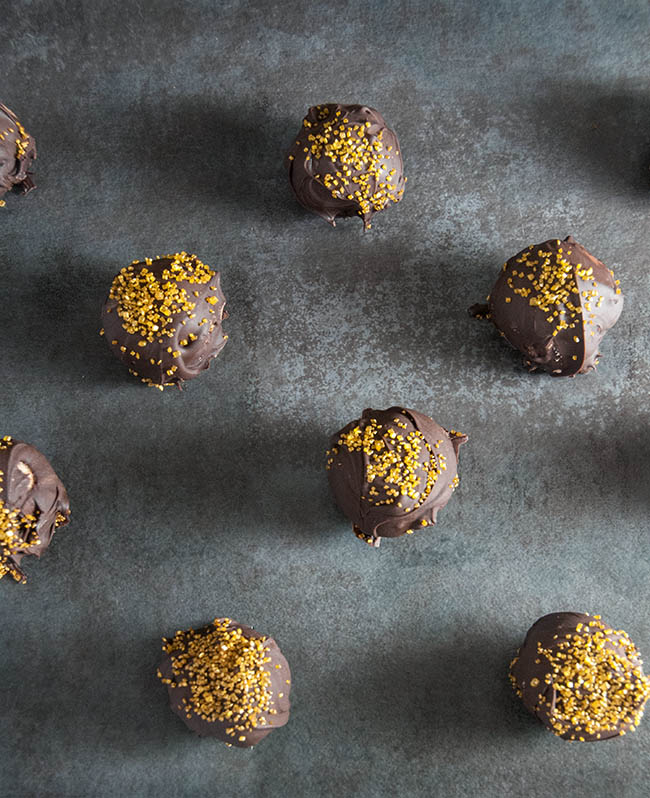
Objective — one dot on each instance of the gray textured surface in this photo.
(161, 125)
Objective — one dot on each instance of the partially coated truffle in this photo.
(391, 471)
(226, 680)
(163, 318)
(17, 154)
(554, 302)
(581, 678)
(33, 503)
(345, 161)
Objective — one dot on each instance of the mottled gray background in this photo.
(161, 126)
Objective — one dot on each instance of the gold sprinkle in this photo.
(226, 673)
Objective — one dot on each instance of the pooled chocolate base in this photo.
(405, 496)
(345, 162)
(29, 485)
(17, 154)
(558, 318)
(280, 675)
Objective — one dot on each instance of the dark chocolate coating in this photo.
(307, 172)
(17, 154)
(279, 677)
(193, 356)
(571, 351)
(30, 485)
(539, 697)
(347, 471)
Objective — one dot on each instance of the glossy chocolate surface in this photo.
(391, 471)
(554, 302)
(172, 331)
(345, 161)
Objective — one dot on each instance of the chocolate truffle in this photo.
(163, 316)
(391, 471)
(33, 503)
(554, 302)
(17, 154)
(227, 681)
(583, 680)
(345, 162)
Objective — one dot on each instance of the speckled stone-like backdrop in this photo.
(162, 126)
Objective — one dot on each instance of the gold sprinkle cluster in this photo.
(16, 535)
(227, 675)
(362, 162)
(395, 456)
(599, 683)
(548, 280)
(22, 138)
(147, 303)
(22, 142)
(13, 526)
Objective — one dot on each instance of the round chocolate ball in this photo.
(227, 681)
(391, 471)
(33, 503)
(581, 678)
(554, 302)
(17, 154)
(163, 318)
(345, 161)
